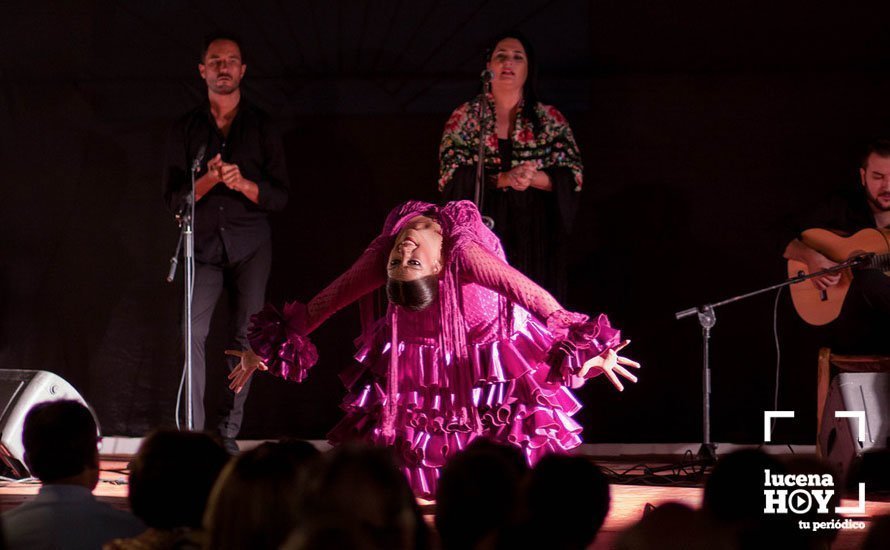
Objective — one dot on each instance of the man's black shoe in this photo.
(231, 445)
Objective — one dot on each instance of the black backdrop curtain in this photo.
(700, 130)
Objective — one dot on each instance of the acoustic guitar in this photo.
(821, 307)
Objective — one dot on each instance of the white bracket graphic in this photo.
(767, 420)
(859, 509)
(859, 416)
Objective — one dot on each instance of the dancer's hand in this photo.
(611, 364)
(250, 363)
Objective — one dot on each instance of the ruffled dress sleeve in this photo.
(578, 339)
(280, 337)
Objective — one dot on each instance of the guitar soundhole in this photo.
(823, 295)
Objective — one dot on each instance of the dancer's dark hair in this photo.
(415, 295)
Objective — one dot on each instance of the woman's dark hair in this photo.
(361, 490)
(172, 462)
(583, 493)
(478, 495)
(415, 295)
(255, 501)
(530, 88)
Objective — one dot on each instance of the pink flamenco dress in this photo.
(493, 357)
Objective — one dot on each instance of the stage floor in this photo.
(628, 500)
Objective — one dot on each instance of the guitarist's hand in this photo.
(815, 261)
(818, 262)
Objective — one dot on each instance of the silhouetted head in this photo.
(674, 526)
(734, 491)
(170, 462)
(734, 499)
(582, 492)
(255, 501)
(478, 494)
(60, 440)
(357, 492)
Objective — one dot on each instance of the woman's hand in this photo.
(519, 177)
(611, 364)
(240, 375)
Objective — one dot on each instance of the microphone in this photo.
(486, 76)
(184, 206)
(196, 164)
(171, 273)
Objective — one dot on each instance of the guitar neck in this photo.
(880, 262)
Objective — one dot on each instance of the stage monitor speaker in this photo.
(868, 392)
(19, 391)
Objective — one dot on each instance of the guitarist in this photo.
(863, 325)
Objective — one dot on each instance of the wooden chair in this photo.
(831, 363)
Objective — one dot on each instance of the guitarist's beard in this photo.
(875, 202)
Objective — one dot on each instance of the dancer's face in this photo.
(875, 178)
(418, 250)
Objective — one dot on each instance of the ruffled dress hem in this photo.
(512, 400)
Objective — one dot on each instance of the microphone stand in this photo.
(479, 192)
(707, 318)
(186, 218)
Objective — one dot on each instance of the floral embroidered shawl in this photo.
(553, 146)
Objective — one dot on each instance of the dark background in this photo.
(701, 125)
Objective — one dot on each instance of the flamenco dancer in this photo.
(482, 351)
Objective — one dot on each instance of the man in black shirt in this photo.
(242, 178)
(863, 325)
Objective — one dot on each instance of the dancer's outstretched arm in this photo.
(279, 339)
(486, 269)
(364, 276)
(367, 274)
